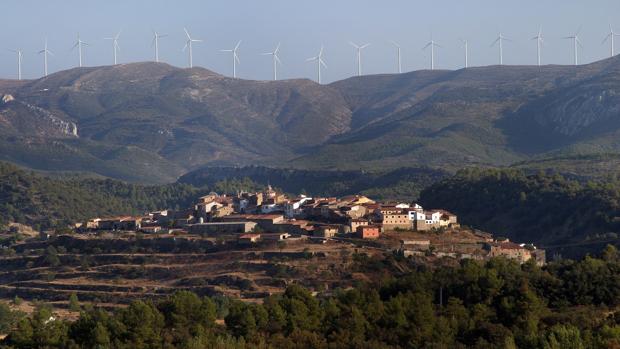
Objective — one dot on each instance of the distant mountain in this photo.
(151, 122)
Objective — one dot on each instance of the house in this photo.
(120, 223)
(509, 250)
(387, 210)
(392, 221)
(93, 223)
(354, 223)
(218, 228)
(294, 226)
(448, 218)
(414, 247)
(248, 239)
(265, 221)
(353, 211)
(326, 231)
(293, 208)
(275, 236)
(368, 231)
(356, 200)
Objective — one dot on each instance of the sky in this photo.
(302, 27)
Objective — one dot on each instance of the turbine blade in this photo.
(238, 44)
(277, 59)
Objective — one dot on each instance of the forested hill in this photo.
(31, 198)
(550, 210)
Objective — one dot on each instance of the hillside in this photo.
(151, 122)
(562, 215)
(399, 184)
(31, 198)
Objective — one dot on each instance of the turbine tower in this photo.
(188, 45)
(611, 37)
(276, 60)
(79, 43)
(432, 44)
(466, 45)
(400, 68)
(20, 55)
(45, 52)
(155, 42)
(319, 62)
(359, 56)
(500, 39)
(539, 42)
(115, 45)
(576, 42)
(235, 58)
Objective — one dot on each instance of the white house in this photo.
(293, 207)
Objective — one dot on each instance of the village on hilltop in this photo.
(267, 217)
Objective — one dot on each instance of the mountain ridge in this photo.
(154, 122)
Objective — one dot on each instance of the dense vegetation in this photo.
(544, 208)
(402, 183)
(497, 304)
(31, 198)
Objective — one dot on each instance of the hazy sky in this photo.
(302, 26)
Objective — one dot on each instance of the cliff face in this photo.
(22, 119)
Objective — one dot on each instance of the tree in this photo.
(51, 257)
(74, 303)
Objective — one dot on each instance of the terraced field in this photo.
(116, 271)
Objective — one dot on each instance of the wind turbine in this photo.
(539, 42)
(359, 56)
(432, 44)
(466, 45)
(276, 60)
(576, 42)
(400, 69)
(115, 45)
(79, 43)
(319, 62)
(156, 37)
(235, 58)
(611, 37)
(20, 55)
(500, 39)
(188, 44)
(45, 52)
